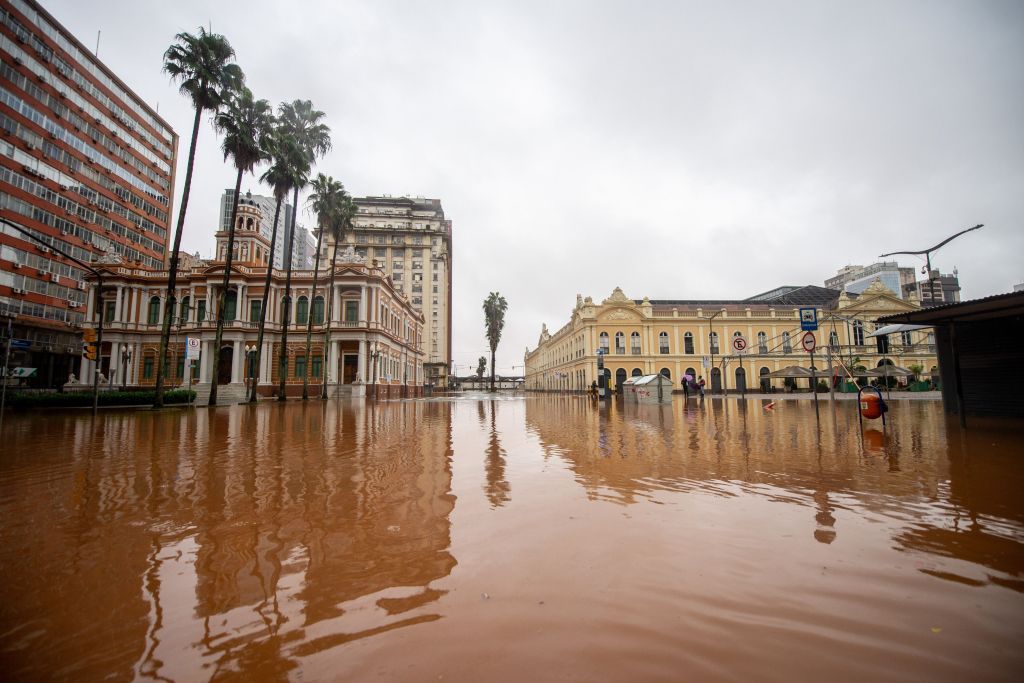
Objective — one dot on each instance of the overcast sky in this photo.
(677, 150)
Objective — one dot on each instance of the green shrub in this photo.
(822, 387)
(54, 399)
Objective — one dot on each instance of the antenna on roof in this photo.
(97, 54)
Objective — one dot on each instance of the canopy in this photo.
(891, 329)
(794, 371)
(889, 371)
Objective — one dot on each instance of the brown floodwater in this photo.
(537, 538)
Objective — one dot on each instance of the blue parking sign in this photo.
(809, 319)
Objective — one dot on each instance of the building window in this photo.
(154, 310)
(663, 342)
(762, 342)
(180, 367)
(907, 337)
(620, 343)
(858, 333)
(147, 367)
(713, 340)
(254, 310)
(634, 343)
(786, 346)
(603, 342)
(833, 340)
(230, 306)
(315, 366)
(201, 310)
(318, 310)
(300, 366)
(688, 343)
(108, 313)
(186, 304)
(667, 373)
(302, 311)
(351, 311)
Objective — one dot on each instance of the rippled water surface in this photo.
(537, 538)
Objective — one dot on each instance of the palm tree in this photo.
(302, 124)
(325, 200)
(481, 367)
(343, 221)
(202, 64)
(246, 124)
(289, 165)
(494, 316)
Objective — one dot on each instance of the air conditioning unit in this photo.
(17, 265)
(18, 291)
(65, 232)
(81, 285)
(74, 304)
(30, 146)
(45, 250)
(71, 349)
(41, 271)
(64, 188)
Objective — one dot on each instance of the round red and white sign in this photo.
(739, 343)
(808, 342)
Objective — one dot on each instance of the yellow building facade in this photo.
(641, 337)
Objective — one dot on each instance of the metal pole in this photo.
(831, 382)
(99, 345)
(7, 371)
(814, 386)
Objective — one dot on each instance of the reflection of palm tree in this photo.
(497, 486)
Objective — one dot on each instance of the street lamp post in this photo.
(928, 257)
(250, 367)
(126, 356)
(711, 330)
(374, 355)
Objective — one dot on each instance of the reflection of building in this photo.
(267, 209)
(86, 166)
(411, 240)
(376, 335)
(642, 337)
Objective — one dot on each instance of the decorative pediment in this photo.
(349, 255)
(617, 297)
(619, 314)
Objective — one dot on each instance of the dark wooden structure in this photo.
(980, 346)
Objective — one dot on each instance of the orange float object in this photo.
(871, 406)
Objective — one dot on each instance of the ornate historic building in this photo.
(640, 337)
(376, 332)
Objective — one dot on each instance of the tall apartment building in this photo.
(412, 240)
(267, 206)
(86, 167)
(305, 249)
(856, 279)
(939, 289)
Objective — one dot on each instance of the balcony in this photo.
(635, 351)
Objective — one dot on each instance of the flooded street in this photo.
(538, 537)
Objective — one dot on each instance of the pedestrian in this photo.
(593, 389)
(686, 387)
(700, 385)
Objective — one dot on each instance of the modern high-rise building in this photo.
(855, 279)
(939, 289)
(267, 206)
(86, 168)
(412, 240)
(305, 249)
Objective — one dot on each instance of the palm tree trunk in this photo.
(330, 314)
(263, 306)
(222, 299)
(286, 318)
(172, 280)
(492, 368)
(309, 319)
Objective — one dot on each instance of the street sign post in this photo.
(739, 344)
(192, 347)
(808, 319)
(808, 342)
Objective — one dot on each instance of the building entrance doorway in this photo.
(227, 355)
(349, 368)
(716, 381)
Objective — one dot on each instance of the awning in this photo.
(892, 329)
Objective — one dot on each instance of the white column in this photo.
(236, 363)
(115, 364)
(267, 361)
(90, 303)
(204, 361)
(117, 303)
(363, 358)
(242, 312)
(332, 373)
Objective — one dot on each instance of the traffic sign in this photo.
(808, 319)
(705, 362)
(20, 344)
(192, 347)
(808, 342)
(739, 343)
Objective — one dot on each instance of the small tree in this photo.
(494, 318)
(917, 370)
(481, 366)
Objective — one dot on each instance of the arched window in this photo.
(787, 347)
(666, 372)
(762, 342)
(620, 342)
(833, 339)
(663, 342)
(713, 339)
(636, 372)
(766, 382)
(302, 311)
(634, 343)
(154, 310)
(318, 310)
(230, 305)
(603, 342)
(688, 343)
(692, 373)
(858, 333)
(620, 376)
